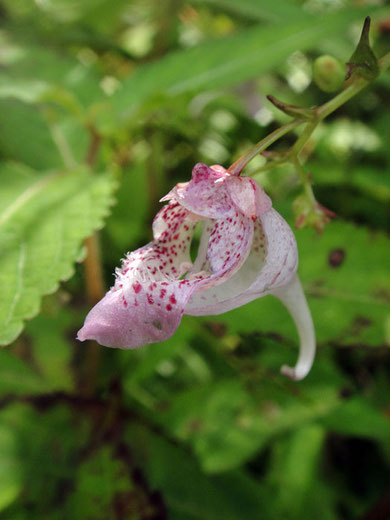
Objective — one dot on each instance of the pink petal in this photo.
(148, 300)
(206, 194)
(271, 264)
(248, 196)
(293, 298)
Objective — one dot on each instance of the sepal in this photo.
(363, 61)
(292, 110)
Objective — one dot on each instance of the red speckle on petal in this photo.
(137, 287)
(172, 299)
(169, 307)
(149, 297)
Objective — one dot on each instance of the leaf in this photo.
(18, 377)
(297, 487)
(27, 136)
(360, 418)
(10, 470)
(101, 482)
(150, 358)
(43, 220)
(226, 425)
(225, 62)
(260, 9)
(51, 350)
(295, 470)
(128, 220)
(187, 492)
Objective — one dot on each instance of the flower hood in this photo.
(246, 251)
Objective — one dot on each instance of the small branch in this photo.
(93, 147)
(94, 281)
(304, 179)
(237, 167)
(356, 84)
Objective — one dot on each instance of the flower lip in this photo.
(246, 251)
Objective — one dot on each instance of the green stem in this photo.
(237, 167)
(304, 179)
(332, 105)
(94, 282)
(355, 86)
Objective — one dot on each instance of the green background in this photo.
(104, 106)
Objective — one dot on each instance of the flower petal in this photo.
(206, 194)
(248, 196)
(294, 299)
(148, 300)
(272, 263)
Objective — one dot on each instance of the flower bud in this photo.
(309, 213)
(329, 73)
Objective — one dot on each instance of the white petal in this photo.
(294, 299)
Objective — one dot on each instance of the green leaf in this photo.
(260, 9)
(51, 349)
(10, 469)
(226, 425)
(297, 467)
(26, 135)
(18, 377)
(101, 482)
(187, 492)
(360, 418)
(43, 220)
(225, 62)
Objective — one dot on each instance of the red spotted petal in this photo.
(271, 264)
(248, 196)
(149, 297)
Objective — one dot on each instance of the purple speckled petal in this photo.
(247, 250)
(272, 263)
(148, 300)
(206, 194)
(248, 196)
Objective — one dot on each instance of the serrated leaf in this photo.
(43, 220)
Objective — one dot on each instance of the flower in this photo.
(246, 250)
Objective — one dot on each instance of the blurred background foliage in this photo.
(104, 106)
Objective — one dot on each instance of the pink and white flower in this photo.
(246, 250)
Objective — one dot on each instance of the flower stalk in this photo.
(361, 73)
(93, 281)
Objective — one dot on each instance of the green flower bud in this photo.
(309, 213)
(329, 73)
